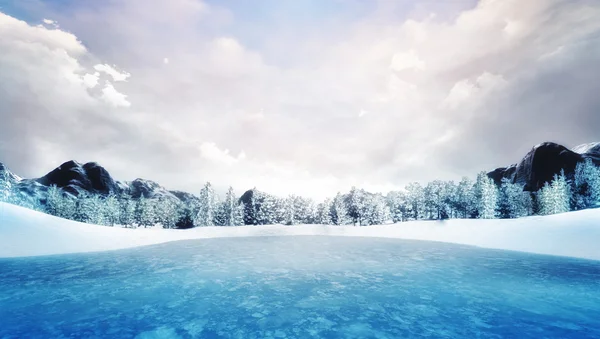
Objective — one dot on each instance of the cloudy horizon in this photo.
(308, 98)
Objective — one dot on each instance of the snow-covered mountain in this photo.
(91, 178)
(544, 161)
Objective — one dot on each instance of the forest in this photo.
(436, 200)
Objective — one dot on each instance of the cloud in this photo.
(470, 88)
(116, 75)
(113, 97)
(211, 152)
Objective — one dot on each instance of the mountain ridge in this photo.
(536, 168)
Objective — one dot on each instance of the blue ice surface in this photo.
(300, 287)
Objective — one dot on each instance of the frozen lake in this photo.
(300, 287)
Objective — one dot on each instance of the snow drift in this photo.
(24, 232)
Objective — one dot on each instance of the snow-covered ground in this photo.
(25, 232)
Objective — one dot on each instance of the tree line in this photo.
(437, 200)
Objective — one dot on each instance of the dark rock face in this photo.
(542, 163)
(75, 178)
(502, 172)
(246, 198)
(185, 196)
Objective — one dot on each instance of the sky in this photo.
(305, 97)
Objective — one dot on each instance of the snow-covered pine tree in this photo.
(356, 207)
(147, 212)
(434, 199)
(465, 198)
(5, 187)
(513, 202)
(377, 210)
(167, 212)
(53, 200)
(449, 200)
(290, 210)
(398, 205)
(89, 209)
(266, 209)
(324, 212)
(220, 218)
(304, 210)
(416, 200)
(185, 217)
(339, 211)
(555, 197)
(237, 219)
(228, 208)
(207, 206)
(486, 194)
(127, 210)
(112, 210)
(586, 185)
(251, 209)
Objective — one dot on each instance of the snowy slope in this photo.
(24, 232)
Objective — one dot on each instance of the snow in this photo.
(584, 148)
(24, 232)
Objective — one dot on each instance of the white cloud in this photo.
(410, 60)
(48, 22)
(211, 152)
(116, 75)
(91, 80)
(114, 97)
(467, 91)
(166, 61)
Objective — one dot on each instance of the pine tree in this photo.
(207, 206)
(416, 200)
(228, 208)
(397, 202)
(146, 212)
(377, 211)
(290, 210)
(324, 212)
(339, 211)
(555, 197)
(486, 194)
(127, 213)
(237, 218)
(185, 217)
(266, 209)
(434, 199)
(112, 210)
(53, 200)
(5, 186)
(89, 209)
(465, 198)
(586, 185)
(513, 202)
(251, 209)
(356, 207)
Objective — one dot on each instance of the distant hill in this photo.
(544, 161)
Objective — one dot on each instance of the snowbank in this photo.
(24, 232)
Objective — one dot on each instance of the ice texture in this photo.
(300, 287)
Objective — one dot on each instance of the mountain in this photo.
(544, 161)
(91, 178)
(75, 178)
